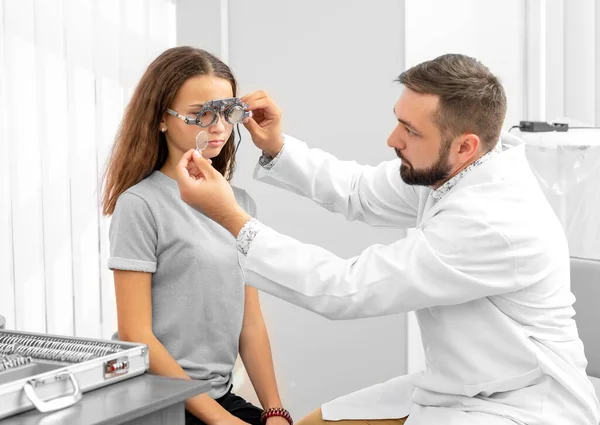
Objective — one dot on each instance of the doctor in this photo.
(486, 271)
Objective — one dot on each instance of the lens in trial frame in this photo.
(206, 118)
(234, 114)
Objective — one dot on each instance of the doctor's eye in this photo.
(410, 132)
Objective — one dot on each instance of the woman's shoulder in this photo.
(145, 187)
(140, 193)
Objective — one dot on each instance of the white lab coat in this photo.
(487, 272)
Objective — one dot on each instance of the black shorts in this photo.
(235, 405)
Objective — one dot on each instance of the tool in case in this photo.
(51, 372)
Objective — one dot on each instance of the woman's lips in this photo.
(215, 143)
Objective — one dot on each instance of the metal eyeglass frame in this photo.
(218, 107)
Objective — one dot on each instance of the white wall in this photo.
(327, 64)
(491, 31)
(563, 61)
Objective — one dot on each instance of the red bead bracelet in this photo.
(276, 411)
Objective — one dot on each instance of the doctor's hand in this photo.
(265, 124)
(205, 189)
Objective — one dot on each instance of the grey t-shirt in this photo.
(197, 282)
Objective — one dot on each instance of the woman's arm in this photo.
(134, 312)
(255, 351)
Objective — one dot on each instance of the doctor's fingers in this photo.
(262, 101)
(188, 168)
(259, 94)
(182, 171)
(194, 171)
(204, 166)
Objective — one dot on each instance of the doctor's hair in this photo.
(471, 98)
(140, 147)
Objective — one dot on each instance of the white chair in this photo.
(585, 284)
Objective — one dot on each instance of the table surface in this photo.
(117, 403)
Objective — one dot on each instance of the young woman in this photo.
(179, 287)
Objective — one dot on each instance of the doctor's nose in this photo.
(395, 140)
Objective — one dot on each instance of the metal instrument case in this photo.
(50, 385)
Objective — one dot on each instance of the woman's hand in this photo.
(231, 420)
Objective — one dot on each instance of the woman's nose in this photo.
(218, 126)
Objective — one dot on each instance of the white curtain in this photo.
(67, 69)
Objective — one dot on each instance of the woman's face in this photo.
(197, 90)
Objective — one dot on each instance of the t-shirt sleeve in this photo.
(133, 235)
(251, 208)
(246, 202)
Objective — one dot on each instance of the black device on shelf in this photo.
(541, 126)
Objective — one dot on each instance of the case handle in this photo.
(56, 403)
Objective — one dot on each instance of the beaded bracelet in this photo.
(276, 411)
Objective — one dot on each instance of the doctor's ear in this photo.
(468, 146)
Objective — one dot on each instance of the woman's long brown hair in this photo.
(140, 148)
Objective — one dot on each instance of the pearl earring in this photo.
(163, 129)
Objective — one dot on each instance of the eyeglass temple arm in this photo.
(181, 117)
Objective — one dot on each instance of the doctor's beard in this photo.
(430, 176)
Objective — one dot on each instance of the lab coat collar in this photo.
(513, 150)
(501, 146)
